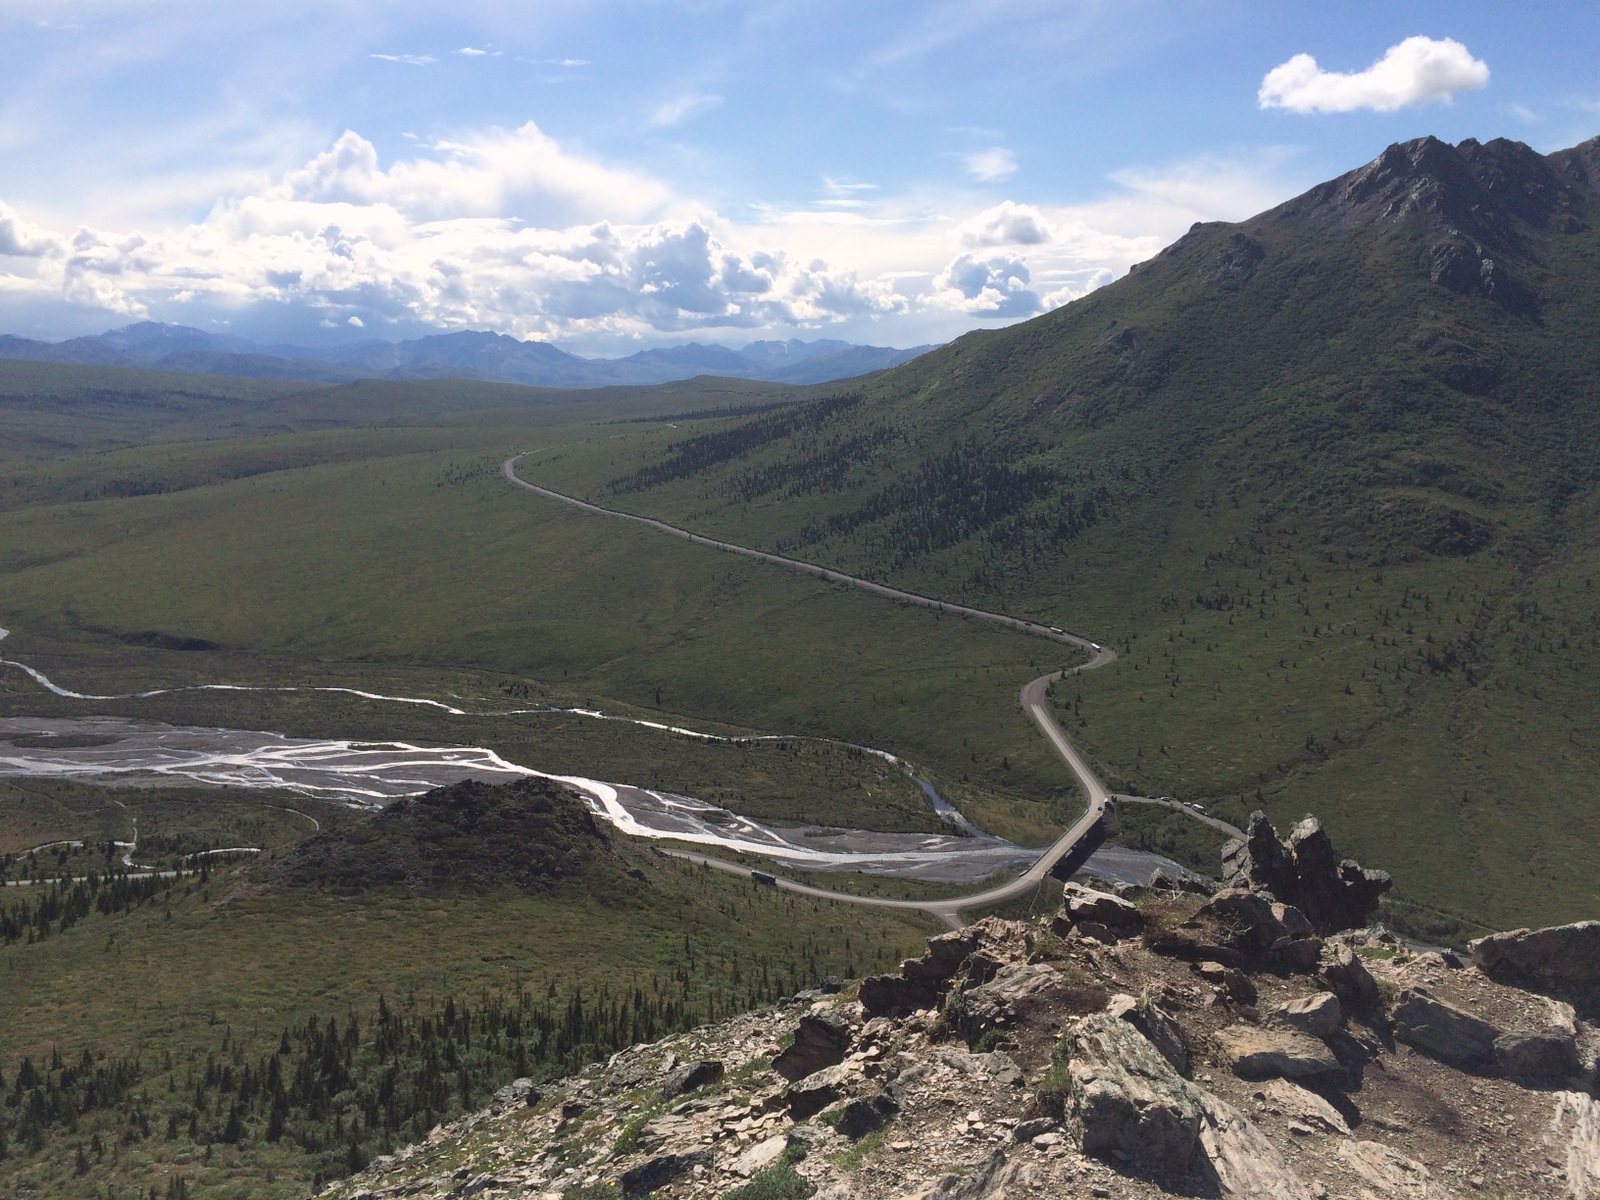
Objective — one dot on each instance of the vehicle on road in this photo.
(763, 877)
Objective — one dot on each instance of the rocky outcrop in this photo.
(1260, 930)
(1575, 1136)
(1127, 1100)
(1016, 995)
(1158, 1026)
(1304, 871)
(1243, 1162)
(1073, 1103)
(924, 980)
(1562, 960)
(820, 1040)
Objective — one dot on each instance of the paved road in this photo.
(1033, 703)
(1033, 628)
(1217, 823)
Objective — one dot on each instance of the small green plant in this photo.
(780, 1182)
(988, 1040)
(851, 1158)
(593, 1191)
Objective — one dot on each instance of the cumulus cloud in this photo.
(18, 239)
(509, 230)
(990, 287)
(440, 239)
(1418, 70)
(519, 172)
(411, 60)
(684, 108)
(989, 166)
(1006, 224)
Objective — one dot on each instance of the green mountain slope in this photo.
(1326, 477)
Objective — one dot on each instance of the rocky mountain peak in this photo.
(1491, 194)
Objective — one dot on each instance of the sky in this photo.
(617, 174)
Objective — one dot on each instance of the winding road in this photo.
(1077, 835)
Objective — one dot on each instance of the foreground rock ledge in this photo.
(1021, 1061)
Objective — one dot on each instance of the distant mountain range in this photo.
(466, 355)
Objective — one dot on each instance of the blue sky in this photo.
(612, 175)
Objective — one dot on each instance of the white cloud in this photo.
(520, 173)
(1006, 224)
(1416, 71)
(684, 108)
(572, 62)
(472, 52)
(991, 287)
(510, 231)
(989, 166)
(18, 239)
(356, 321)
(411, 60)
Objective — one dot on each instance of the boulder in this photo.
(1350, 980)
(809, 1096)
(1001, 1067)
(1443, 1031)
(820, 1040)
(1318, 1014)
(893, 995)
(1247, 915)
(1549, 1056)
(690, 1077)
(660, 1171)
(1232, 980)
(1079, 904)
(1126, 1099)
(1298, 1104)
(1561, 959)
(1293, 921)
(1295, 955)
(1260, 1053)
(1016, 994)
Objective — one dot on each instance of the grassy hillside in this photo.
(1326, 478)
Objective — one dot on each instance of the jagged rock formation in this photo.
(1044, 1059)
(1304, 872)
